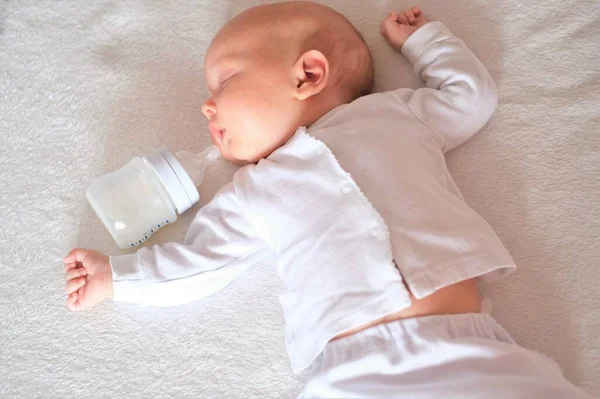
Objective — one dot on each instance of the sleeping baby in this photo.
(378, 253)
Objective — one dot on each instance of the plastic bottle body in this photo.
(132, 203)
(148, 193)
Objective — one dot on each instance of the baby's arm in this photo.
(220, 245)
(460, 96)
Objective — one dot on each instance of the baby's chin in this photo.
(226, 155)
(230, 158)
(235, 157)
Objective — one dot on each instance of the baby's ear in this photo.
(311, 73)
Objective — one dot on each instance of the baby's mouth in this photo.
(216, 134)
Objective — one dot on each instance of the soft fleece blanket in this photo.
(87, 85)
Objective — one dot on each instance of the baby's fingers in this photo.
(389, 20)
(74, 273)
(69, 266)
(74, 285)
(402, 18)
(76, 255)
(416, 11)
(73, 302)
(71, 299)
(393, 16)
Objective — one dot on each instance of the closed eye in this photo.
(222, 83)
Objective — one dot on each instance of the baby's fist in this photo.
(88, 278)
(398, 26)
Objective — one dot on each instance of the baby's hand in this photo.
(88, 277)
(398, 26)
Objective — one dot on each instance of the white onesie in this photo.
(354, 207)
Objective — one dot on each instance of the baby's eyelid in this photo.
(226, 79)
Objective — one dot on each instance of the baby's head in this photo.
(276, 67)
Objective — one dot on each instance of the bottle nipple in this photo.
(195, 164)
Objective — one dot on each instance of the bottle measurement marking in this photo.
(148, 233)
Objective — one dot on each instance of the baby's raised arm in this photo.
(220, 245)
(460, 95)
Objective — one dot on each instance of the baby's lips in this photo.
(216, 132)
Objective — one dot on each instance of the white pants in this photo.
(455, 356)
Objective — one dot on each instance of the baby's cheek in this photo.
(254, 113)
(255, 121)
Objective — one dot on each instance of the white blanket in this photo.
(85, 86)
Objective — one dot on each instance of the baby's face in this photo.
(252, 109)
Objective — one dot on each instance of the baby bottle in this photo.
(148, 193)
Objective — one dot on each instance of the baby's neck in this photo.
(312, 113)
(317, 110)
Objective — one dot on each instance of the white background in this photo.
(87, 85)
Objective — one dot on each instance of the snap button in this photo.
(320, 150)
(346, 188)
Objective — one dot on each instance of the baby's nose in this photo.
(209, 109)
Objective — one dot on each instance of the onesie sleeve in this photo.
(460, 95)
(220, 245)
